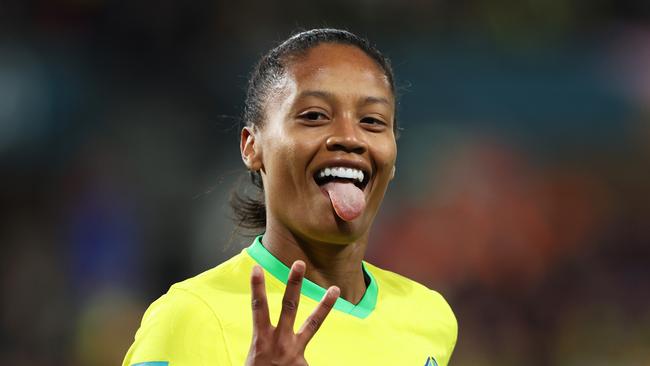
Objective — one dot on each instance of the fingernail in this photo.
(298, 266)
(335, 291)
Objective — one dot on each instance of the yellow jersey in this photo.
(207, 319)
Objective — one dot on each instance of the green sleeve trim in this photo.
(280, 271)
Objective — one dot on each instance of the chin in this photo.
(337, 231)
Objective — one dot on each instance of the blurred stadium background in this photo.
(522, 189)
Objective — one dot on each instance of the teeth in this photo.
(341, 172)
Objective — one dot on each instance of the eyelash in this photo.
(307, 115)
(314, 116)
(373, 120)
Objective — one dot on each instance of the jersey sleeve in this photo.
(178, 329)
(448, 325)
(454, 338)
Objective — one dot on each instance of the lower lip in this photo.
(327, 194)
(324, 192)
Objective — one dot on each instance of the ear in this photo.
(251, 153)
(392, 173)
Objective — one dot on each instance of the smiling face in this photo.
(334, 109)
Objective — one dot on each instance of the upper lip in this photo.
(347, 163)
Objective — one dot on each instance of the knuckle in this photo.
(282, 348)
(289, 305)
(294, 280)
(258, 349)
(314, 323)
(258, 343)
(257, 304)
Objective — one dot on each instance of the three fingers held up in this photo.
(280, 345)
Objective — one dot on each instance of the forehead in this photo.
(338, 66)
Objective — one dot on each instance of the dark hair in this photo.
(250, 211)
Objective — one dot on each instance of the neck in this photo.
(327, 264)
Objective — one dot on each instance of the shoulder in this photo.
(177, 306)
(177, 328)
(184, 325)
(401, 292)
(398, 285)
(418, 308)
(230, 277)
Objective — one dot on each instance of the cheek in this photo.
(285, 165)
(385, 157)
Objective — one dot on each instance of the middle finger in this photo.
(291, 297)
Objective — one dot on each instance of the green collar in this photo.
(280, 271)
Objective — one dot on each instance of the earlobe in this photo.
(392, 173)
(250, 151)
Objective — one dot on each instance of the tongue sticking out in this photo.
(347, 199)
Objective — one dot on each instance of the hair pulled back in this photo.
(250, 211)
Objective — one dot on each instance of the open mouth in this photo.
(344, 186)
(344, 175)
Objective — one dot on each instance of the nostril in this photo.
(347, 144)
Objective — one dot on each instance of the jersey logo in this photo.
(431, 361)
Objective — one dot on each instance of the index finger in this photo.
(259, 304)
(317, 317)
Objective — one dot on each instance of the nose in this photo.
(345, 138)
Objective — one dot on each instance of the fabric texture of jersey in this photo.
(207, 320)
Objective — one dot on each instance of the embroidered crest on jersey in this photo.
(431, 361)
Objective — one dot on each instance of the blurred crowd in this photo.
(522, 191)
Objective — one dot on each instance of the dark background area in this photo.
(522, 191)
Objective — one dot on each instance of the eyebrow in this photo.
(317, 93)
(375, 100)
(330, 97)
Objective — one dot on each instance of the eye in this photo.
(313, 116)
(375, 122)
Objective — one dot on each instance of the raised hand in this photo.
(280, 345)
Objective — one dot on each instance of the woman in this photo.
(319, 138)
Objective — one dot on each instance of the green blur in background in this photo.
(522, 191)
